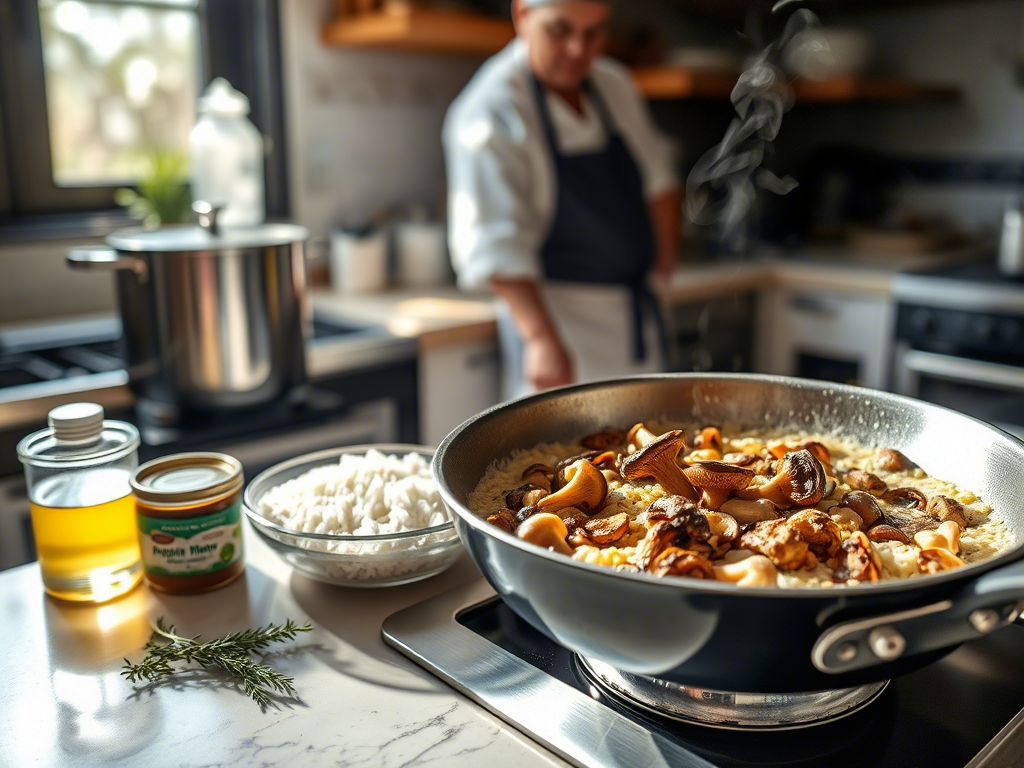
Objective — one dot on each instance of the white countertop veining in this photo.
(358, 703)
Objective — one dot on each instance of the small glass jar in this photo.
(83, 517)
(188, 515)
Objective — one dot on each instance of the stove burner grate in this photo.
(732, 711)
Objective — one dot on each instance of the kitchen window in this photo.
(121, 82)
(90, 90)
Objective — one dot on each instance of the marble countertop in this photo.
(358, 703)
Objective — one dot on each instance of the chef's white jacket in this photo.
(501, 177)
(502, 197)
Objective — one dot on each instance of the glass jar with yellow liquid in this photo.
(83, 514)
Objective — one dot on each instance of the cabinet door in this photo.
(456, 381)
(825, 335)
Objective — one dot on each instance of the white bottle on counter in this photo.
(226, 152)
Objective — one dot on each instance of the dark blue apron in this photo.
(601, 231)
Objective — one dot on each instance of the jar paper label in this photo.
(191, 546)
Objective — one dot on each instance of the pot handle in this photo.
(102, 257)
(993, 600)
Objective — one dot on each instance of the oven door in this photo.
(985, 390)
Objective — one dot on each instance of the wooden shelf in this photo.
(410, 27)
(666, 83)
(415, 28)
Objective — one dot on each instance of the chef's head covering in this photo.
(538, 3)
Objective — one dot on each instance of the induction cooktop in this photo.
(965, 710)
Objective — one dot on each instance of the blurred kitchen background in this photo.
(896, 263)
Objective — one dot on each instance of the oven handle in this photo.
(965, 370)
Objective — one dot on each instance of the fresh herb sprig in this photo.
(231, 653)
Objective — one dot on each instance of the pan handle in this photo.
(102, 257)
(993, 600)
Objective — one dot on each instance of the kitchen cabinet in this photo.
(457, 381)
(825, 335)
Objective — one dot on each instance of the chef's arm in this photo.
(666, 217)
(546, 363)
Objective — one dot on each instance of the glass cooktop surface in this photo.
(947, 715)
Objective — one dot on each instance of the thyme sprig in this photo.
(231, 653)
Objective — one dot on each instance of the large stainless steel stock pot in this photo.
(213, 318)
(715, 635)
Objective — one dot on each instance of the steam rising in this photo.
(723, 184)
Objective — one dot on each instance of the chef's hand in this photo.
(546, 363)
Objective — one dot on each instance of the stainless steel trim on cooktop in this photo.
(962, 295)
(575, 727)
(1005, 748)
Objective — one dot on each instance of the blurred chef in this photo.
(562, 200)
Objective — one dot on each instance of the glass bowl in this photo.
(354, 561)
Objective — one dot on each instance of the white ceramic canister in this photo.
(422, 257)
(359, 261)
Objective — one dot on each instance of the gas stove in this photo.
(45, 365)
(965, 710)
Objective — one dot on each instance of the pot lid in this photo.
(188, 237)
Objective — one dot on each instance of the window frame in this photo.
(239, 40)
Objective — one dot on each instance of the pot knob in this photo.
(208, 213)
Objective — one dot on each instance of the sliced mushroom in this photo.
(525, 514)
(820, 452)
(539, 475)
(891, 460)
(724, 531)
(905, 497)
(864, 505)
(545, 530)
(779, 542)
(746, 511)
(858, 560)
(704, 454)
(524, 496)
(585, 488)
(657, 459)
(573, 518)
(639, 436)
(847, 519)
(753, 571)
(681, 562)
(944, 508)
(935, 560)
(800, 481)
(603, 441)
(741, 459)
(822, 535)
(605, 530)
(709, 437)
(717, 481)
(669, 508)
(946, 537)
(505, 519)
(883, 532)
(560, 478)
(860, 480)
(688, 529)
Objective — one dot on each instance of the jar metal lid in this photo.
(44, 449)
(185, 478)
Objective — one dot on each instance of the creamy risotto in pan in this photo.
(751, 508)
